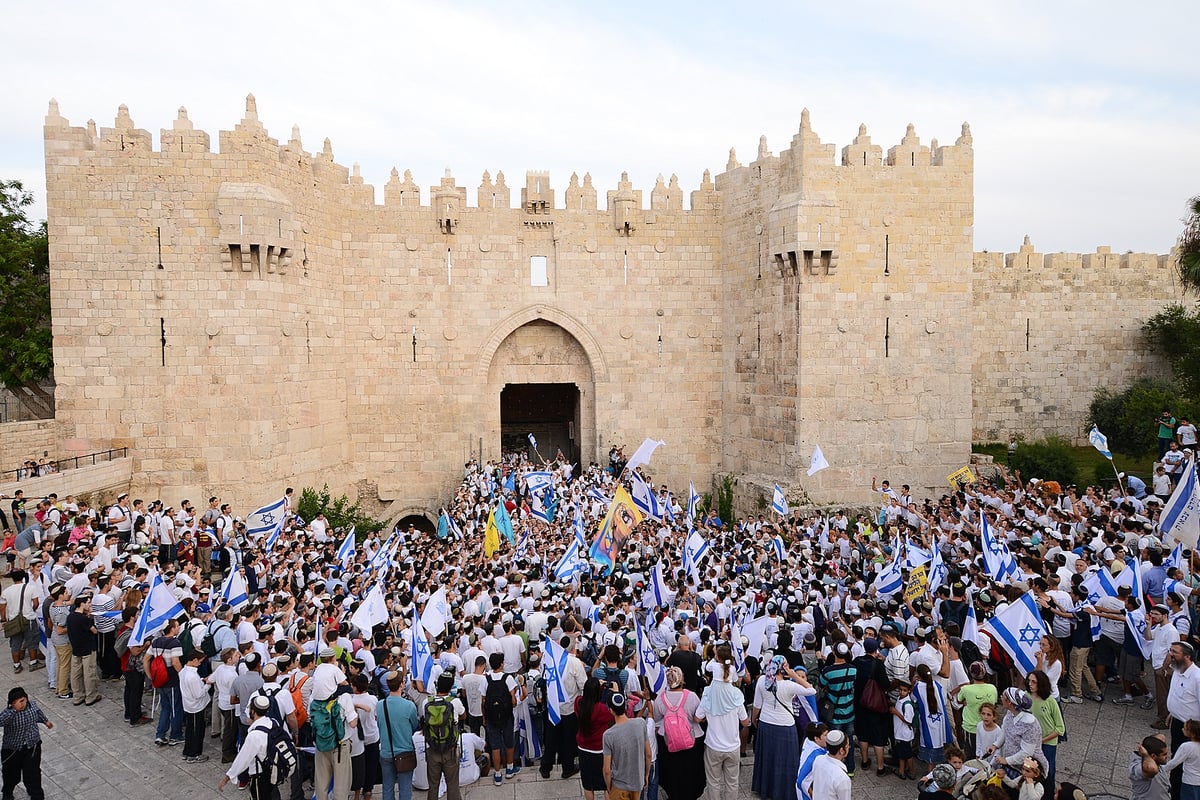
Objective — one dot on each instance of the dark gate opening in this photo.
(418, 521)
(550, 411)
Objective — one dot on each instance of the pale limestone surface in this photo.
(796, 300)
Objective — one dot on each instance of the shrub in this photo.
(1127, 417)
(1050, 460)
(340, 512)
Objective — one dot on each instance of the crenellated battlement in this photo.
(1027, 260)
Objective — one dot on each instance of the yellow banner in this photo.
(491, 536)
(918, 583)
(622, 517)
(963, 475)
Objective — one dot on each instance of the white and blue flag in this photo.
(422, 660)
(1181, 514)
(233, 590)
(890, 579)
(571, 565)
(938, 571)
(735, 644)
(693, 504)
(1136, 620)
(345, 553)
(1175, 559)
(266, 520)
(779, 502)
(997, 558)
(159, 608)
(694, 551)
(553, 668)
(580, 534)
(1019, 630)
(644, 497)
(371, 611)
(1100, 442)
(648, 664)
(778, 546)
(970, 631)
(532, 442)
(657, 594)
(538, 482)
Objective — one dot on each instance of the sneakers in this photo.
(65, 695)
(1099, 698)
(1127, 700)
(1072, 699)
(174, 742)
(497, 779)
(35, 665)
(512, 771)
(161, 742)
(18, 668)
(195, 759)
(1147, 702)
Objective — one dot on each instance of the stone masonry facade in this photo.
(249, 317)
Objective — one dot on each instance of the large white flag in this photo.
(643, 453)
(266, 520)
(1181, 514)
(436, 612)
(159, 608)
(817, 462)
(648, 664)
(553, 667)
(233, 591)
(371, 611)
(1019, 630)
(779, 502)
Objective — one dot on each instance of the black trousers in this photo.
(1177, 739)
(23, 766)
(230, 728)
(560, 744)
(261, 789)
(135, 684)
(193, 732)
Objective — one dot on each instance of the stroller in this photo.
(970, 786)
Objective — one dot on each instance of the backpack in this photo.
(497, 701)
(209, 644)
(282, 758)
(274, 712)
(328, 726)
(159, 675)
(591, 651)
(438, 725)
(297, 697)
(677, 728)
(606, 677)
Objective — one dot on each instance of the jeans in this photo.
(1050, 751)
(1189, 792)
(170, 713)
(651, 790)
(396, 785)
(848, 729)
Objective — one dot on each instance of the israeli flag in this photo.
(648, 664)
(532, 442)
(1175, 559)
(554, 666)
(779, 502)
(1136, 620)
(668, 508)
(693, 504)
(538, 510)
(804, 776)
(159, 608)
(422, 660)
(345, 553)
(1019, 630)
(273, 537)
(889, 580)
(265, 520)
(996, 556)
(1181, 514)
(735, 645)
(644, 497)
(538, 482)
(970, 631)
(380, 554)
(580, 535)
(599, 496)
(436, 612)
(233, 590)
(657, 594)
(694, 551)
(523, 545)
(937, 571)
(915, 556)
(570, 565)
(1131, 576)
(778, 546)
(1100, 442)
(1179, 587)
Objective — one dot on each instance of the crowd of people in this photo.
(819, 644)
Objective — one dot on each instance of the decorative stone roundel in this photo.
(104, 329)
(449, 333)
(626, 332)
(377, 333)
(590, 245)
(931, 326)
(412, 242)
(485, 246)
(843, 325)
(660, 246)
(693, 332)
(212, 328)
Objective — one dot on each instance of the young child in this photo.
(1030, 784)
(956, 758)
(988, 735)
(1188, 757)
(902, 730)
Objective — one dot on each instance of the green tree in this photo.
(339, 511)
(1127, 417)
(1175, 333)
(1189, 246)
(25, 337)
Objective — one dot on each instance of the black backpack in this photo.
(281, 759)
(497, 701)
(275, 713)
(209, 644)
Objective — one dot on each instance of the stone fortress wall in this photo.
(251, 317)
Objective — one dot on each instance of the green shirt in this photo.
(1166, 427)
(838, 683)
(1049, 715)
(972, 696)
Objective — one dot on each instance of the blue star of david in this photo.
(551, 673)
(996, 546)
(1093, 597)
(1030, 635)
(936, 717)
(422, 648)
(268, 518)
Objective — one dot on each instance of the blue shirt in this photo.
(396, 737)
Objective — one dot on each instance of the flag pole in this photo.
(1120, 485)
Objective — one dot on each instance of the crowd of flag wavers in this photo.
(937, 639)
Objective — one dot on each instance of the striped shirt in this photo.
(838, 683)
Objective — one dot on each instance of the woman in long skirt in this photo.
(777, 744)
(680, 774)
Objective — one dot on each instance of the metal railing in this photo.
(64, 464)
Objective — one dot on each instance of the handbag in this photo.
(402, 762)
(872, 697)
(17, 624)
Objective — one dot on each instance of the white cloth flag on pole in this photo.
(345, 553)
(644, 497)
(265, 520)
(436, 612)
(532, 442)
(648, 664)
(233, 591)
(937, 571)
(1131, 576)
(755, 632)
(817, 462)
(996, 556)
(422, 660)
(1175, 559)
(553, 667)
(780, 549)
(571, 565)
(970, 631)
(1181, 514)
(735, 644)
(1019, 630)
(643, 453)
(159, 608)
(538, 482)
(779, 502)
(580, 535)
(1100, 442)
(371, 611)
(890, 579)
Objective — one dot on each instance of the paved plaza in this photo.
(93, 755)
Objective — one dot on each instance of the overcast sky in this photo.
(1085, 115)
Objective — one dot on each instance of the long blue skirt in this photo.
(776, 761)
